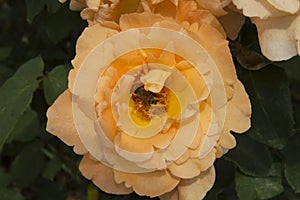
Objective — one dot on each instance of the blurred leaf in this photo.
(27, 127)
(5, 73)
(52, 168)
(292, 67)
(52, 5)
(251, 157)
(4, 52)
(5, 179)
(292, 162)
(66, 21)
(28, 164)
(10, 194)
(51, 190)
(55, 83)
(93, 193)
(33, 8)
(16, 95)
(249, 188)
(272, 119)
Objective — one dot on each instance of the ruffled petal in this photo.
(135, 20)
(61, 123)
(196, 188)
(278, 37)
(238, 111)
(254, 8)
(290, 6)
(150, 184)
(102, 176)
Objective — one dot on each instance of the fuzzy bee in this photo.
(144, 97)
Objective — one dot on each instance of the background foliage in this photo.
(38, 40)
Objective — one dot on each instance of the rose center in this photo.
(147, 104)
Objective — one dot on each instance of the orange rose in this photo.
(278, 26)
(151, 106)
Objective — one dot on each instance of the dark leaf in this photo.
(33, 8)
(4, 52)
(52, 168)
(251, 157)
(53, 6)
(292, 162)
(5, 73)
(5, 179)
(28, 164)
(10, 194)
(249, 188)
(272, 119)
(55, 83)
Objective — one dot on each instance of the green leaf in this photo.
(5, 179)
(5, 73)
(27, 127)
(10, 194)
(16, 95)
(272, 119)
(67, 21)
(55, 83)
(52, 168)
(292, 162)
(249, 188)
(224, 179)
(4, 52)
(31, 69)
(33, 8)
(28, 164)
(251, 157)
(53, 6)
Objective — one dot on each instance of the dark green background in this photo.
(37, 42)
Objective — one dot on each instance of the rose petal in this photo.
(278, 36)
(136, 20)
(61, 124)
(290, 6)
(166, 8)
(196, 188)
(155, 79)
(77, 5)
(151, 184)
(238, 111)
(193, 166)
(227, 140)
(254, 8)
(89, 39)
(93, 4)
(216, 7)
(102, 176)
(173, 195)
(205, 17)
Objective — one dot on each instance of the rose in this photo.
(107, 13)
(278, 26)
(151, 106)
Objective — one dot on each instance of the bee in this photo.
(144, 97)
